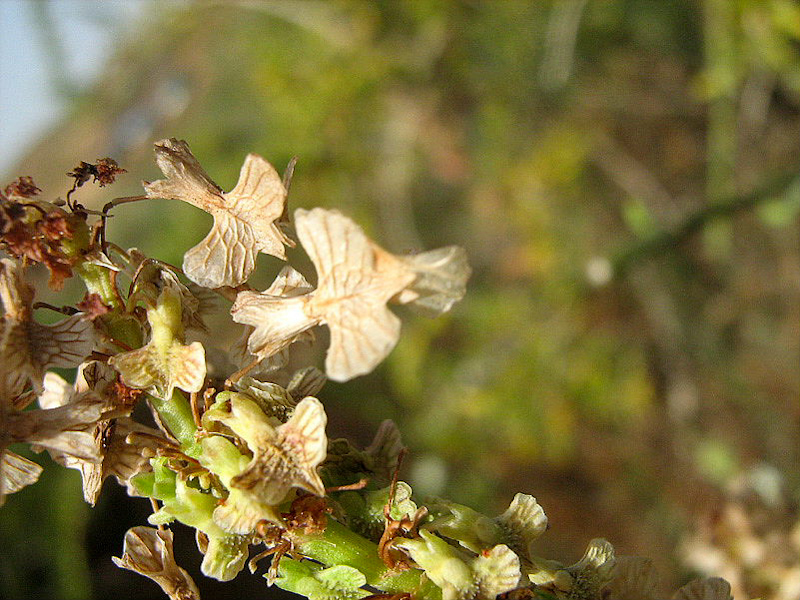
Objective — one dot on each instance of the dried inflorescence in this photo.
(251, 464)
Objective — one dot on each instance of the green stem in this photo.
(721, 61)
(337, 545)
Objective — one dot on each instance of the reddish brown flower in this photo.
(104, 172)
(21, 187)
(92, 307)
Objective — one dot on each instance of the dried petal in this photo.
(149, 552)
(244, 218)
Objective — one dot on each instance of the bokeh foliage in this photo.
(550, 139)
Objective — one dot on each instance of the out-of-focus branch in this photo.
(664, 241)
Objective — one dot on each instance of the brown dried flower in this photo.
(92, 306)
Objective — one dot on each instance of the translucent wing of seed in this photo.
(14, 366)
(306, 382)
(713, 588)
(441, 280)
(182, 366)
(356, 279)
(634, 579)
(28, 349)
(385, 449)
(63, 345)
(16, 472)
(244, 219)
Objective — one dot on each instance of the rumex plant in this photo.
(244, 461)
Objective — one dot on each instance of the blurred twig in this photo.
(667, 240)
(559, 44)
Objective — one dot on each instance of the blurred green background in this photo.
(624, 177)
